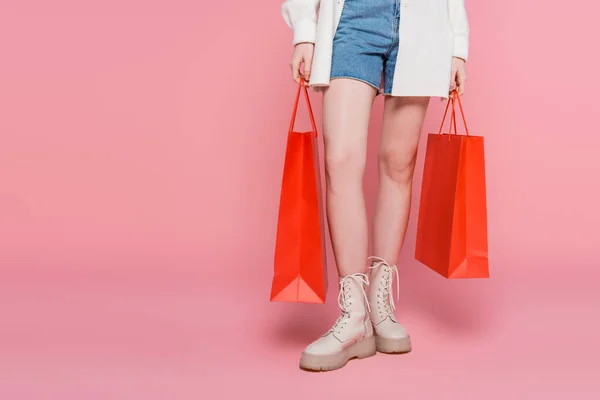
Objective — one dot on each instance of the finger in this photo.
(295, 65)
(462, 81)
(453, 80)
(307, 67)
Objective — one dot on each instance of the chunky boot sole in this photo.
(393, 346)
(314, 362)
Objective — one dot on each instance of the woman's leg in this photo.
(402, 123)
(346, 109)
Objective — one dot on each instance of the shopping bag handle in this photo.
(452, 102)
(302, 86)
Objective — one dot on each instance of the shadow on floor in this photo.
(300, 324)
(462, 306)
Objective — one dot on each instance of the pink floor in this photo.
(133, 334)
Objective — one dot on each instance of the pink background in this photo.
(141, 149)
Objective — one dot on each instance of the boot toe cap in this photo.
(391, 330)
(325, 345)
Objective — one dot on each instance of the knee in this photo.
(396, 165)
(345, 164)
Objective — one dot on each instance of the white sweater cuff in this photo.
(305, 31)
(461, 47)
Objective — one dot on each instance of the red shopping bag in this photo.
(300, 266)
(452, 224)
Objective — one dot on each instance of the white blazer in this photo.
(431, 32)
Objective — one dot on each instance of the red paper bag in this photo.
(300, 267)
(452, 225)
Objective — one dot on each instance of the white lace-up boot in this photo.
(391, 337)
(352, 334)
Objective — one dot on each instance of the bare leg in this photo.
(346, 109)
(402, 123)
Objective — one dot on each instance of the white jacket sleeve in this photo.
(301, 16)
(460, 27)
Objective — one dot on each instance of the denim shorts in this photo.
(365, 44)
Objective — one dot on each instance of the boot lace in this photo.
(388, 281)
(344, 297)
